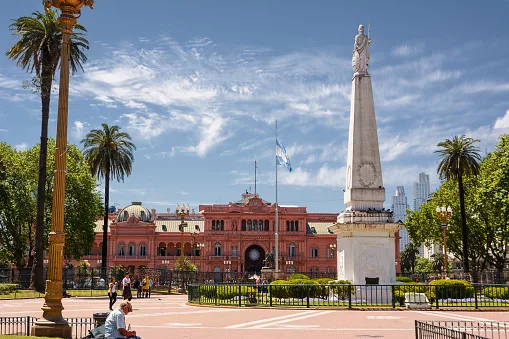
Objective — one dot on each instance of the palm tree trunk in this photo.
(464, 229)
(105, 226)
(37, 281)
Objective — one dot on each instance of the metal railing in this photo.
(461, 330)
(23, 325)
(350, 296)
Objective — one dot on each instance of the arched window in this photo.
(292, 250)
(291, 269)
(100, 248)
(255, 225)
(217, 249)
(165, 229)
(222, 225)
(243, 225)
(260, 225)
(213, 225)
(161, 249)
(132, 249)
(296, 225)
(126, 215)
(287, 226)
(121, 249)
(143, 250)
(142, 214)
(249, 225)
(266, 228)
(292, 226)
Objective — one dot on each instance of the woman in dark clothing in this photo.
(112, 292)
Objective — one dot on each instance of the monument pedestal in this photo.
(366, 250)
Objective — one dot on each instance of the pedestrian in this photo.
(146, 286)
(115, 323)
(126, 286)
(150, 287)
(112, 292)
(137, 287)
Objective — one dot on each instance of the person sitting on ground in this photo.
(115, 323)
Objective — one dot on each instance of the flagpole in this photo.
(276, 249)
(255, 177)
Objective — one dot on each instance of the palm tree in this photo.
(459, 158)
(408, 257)
(38, 50)
(109, 154)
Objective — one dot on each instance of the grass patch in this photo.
(24, 294)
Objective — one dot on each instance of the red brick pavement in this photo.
(170, 317)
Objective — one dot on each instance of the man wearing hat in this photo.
(115, 323)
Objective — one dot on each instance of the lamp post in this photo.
(194, 235)
(444, 214)
(182, 212)
(52, 324)
(332, 249)
(201, 246)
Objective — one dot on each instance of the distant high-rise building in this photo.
(399, 207)
(421, 190)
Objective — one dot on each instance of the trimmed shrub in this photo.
(404, 279)
(413, 287)
(453, 289)
(496, 292)
(298, 276)
(340, 288)
(8, 288)
(278, 291)
(399, 297)
(299, 288)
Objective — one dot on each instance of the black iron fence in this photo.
(23, 325)
(351, 296)
(480, 277)
(461, 330)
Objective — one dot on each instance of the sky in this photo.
(200, 84)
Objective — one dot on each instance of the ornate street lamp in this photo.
(52, 324)
(182, 212)
(444, 214)
(332, 249)
(194, 235)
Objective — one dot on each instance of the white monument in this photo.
(365, 230)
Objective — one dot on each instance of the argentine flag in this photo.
(281, 157)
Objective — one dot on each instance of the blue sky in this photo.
(199, 85)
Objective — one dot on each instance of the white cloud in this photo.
(79, 129)
(503, 122)
(407, 50)
(3, 130)
(21, 147)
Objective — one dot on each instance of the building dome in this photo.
(137, 209)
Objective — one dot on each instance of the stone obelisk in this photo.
(365, 231)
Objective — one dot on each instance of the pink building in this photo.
(236, 237)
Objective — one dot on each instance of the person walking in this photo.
(150, 287)
(112, 292)
(126, 285)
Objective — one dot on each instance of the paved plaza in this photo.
(170, 317)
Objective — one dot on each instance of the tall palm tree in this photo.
(408, 258)
(109, 154)
(459, 158)
(38, 51)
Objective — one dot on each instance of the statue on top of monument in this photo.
(360, 56)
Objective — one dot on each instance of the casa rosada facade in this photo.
(233, 237)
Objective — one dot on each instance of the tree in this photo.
(459, 158)
(109, 153)
(492, 203)
(18, 208)
(38, 50)
(408, 258)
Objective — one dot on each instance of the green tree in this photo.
(492, 204)
(17, 212)
(408, 258)
(459, 158)
(423, 265)
(109, 153)
(38, 51)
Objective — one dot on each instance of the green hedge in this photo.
(404, 279)
(8, 288)
(278, 291)
(455, 289)
(225, 291)
(496, 292)
(413, 287)
(298, 276)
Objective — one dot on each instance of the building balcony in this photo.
(218, 257)
(132, 257)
